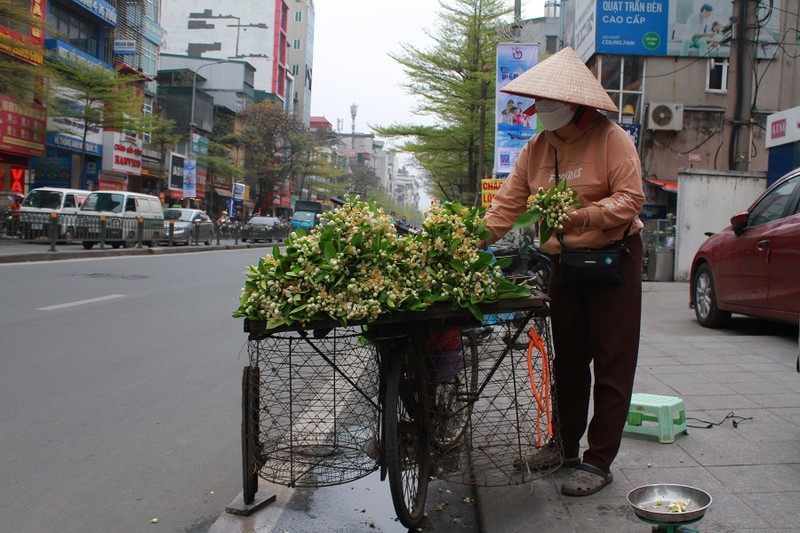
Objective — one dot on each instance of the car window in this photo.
(43, 199)
(304, 216)
(774, 205)
(69, 200)
(104, 202)
(130, 205)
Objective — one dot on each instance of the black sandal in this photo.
(586, 480)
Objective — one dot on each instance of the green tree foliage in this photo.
(93, 97)
(19, 78)
(276, 146)
(162, 137)
(454, 80)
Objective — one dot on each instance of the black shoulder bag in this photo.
(591, 265)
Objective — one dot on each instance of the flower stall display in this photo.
(354, 267)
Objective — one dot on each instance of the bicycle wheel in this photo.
(452, 403)
(406, 441)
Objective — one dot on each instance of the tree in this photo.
(454, 81)
(277, 147)
(90, 96)
(162, 136)
(21, 57)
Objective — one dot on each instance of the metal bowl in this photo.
(651, 502)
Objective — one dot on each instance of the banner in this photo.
(513, 127)
(189, 178)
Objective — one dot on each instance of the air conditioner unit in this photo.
(663, 116)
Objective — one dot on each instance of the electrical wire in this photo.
(735, 420)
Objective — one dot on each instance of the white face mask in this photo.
(552, 114)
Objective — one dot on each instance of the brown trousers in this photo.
(596, 324)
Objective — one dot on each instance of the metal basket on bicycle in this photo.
(317, 416)
(317, 411)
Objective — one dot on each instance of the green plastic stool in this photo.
(660, 416)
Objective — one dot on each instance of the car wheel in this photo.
(69, 236)
(87, 245)
(705, 300)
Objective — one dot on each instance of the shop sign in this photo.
(122, 152)
(489, 188)
(22, 127)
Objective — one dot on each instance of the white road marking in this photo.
(81, 302)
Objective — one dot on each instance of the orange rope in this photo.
(542, 397)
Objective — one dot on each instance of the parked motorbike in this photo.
(527, 260)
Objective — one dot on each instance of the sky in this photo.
(352, 40)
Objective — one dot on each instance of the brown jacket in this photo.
(599, 162)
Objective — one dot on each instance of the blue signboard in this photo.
(632, 27)
(634, 131)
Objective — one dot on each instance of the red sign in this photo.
(778, 129)
(33, 43)
(23, 127)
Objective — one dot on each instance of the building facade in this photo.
(300, 57)
(248, 30)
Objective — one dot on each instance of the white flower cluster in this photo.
(354, 267)
(551, 207)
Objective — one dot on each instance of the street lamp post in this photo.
(194, 95)
(190, 147)
(353, 111)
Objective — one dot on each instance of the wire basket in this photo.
(512, 436)
(318, 407)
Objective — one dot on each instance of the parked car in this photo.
(39, 206)
(751, 267)
(183, 222)
(113, 218)
(261, 228)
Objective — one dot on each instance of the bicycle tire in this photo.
(408, 460)
(451, 407)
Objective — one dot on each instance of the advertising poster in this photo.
(176, 172)
(685, 28)
(513, 127)
(189, 178)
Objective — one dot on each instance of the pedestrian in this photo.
(16, 202)
(594, 325)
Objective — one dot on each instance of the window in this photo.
(773, 206)
(621, 77)
(298, 16)
(296, 44)
(717, 75)
(295, 70)
(64, 25)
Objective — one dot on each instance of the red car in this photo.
(752, 267)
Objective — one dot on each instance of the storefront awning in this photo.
(223, 192)
(667, 185)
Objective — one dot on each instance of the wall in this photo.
(707, 199)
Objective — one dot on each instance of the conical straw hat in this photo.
(562, 77)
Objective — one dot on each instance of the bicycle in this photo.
(385, 388)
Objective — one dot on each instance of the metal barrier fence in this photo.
(113, 231)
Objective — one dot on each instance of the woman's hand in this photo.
(577, 220)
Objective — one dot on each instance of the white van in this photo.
(38, 207)
(121, 211)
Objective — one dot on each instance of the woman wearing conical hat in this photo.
(596, 324)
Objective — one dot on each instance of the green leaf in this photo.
(527, 219)
(329, 251)
(476, 312)
(457, 264)
(504, 262)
